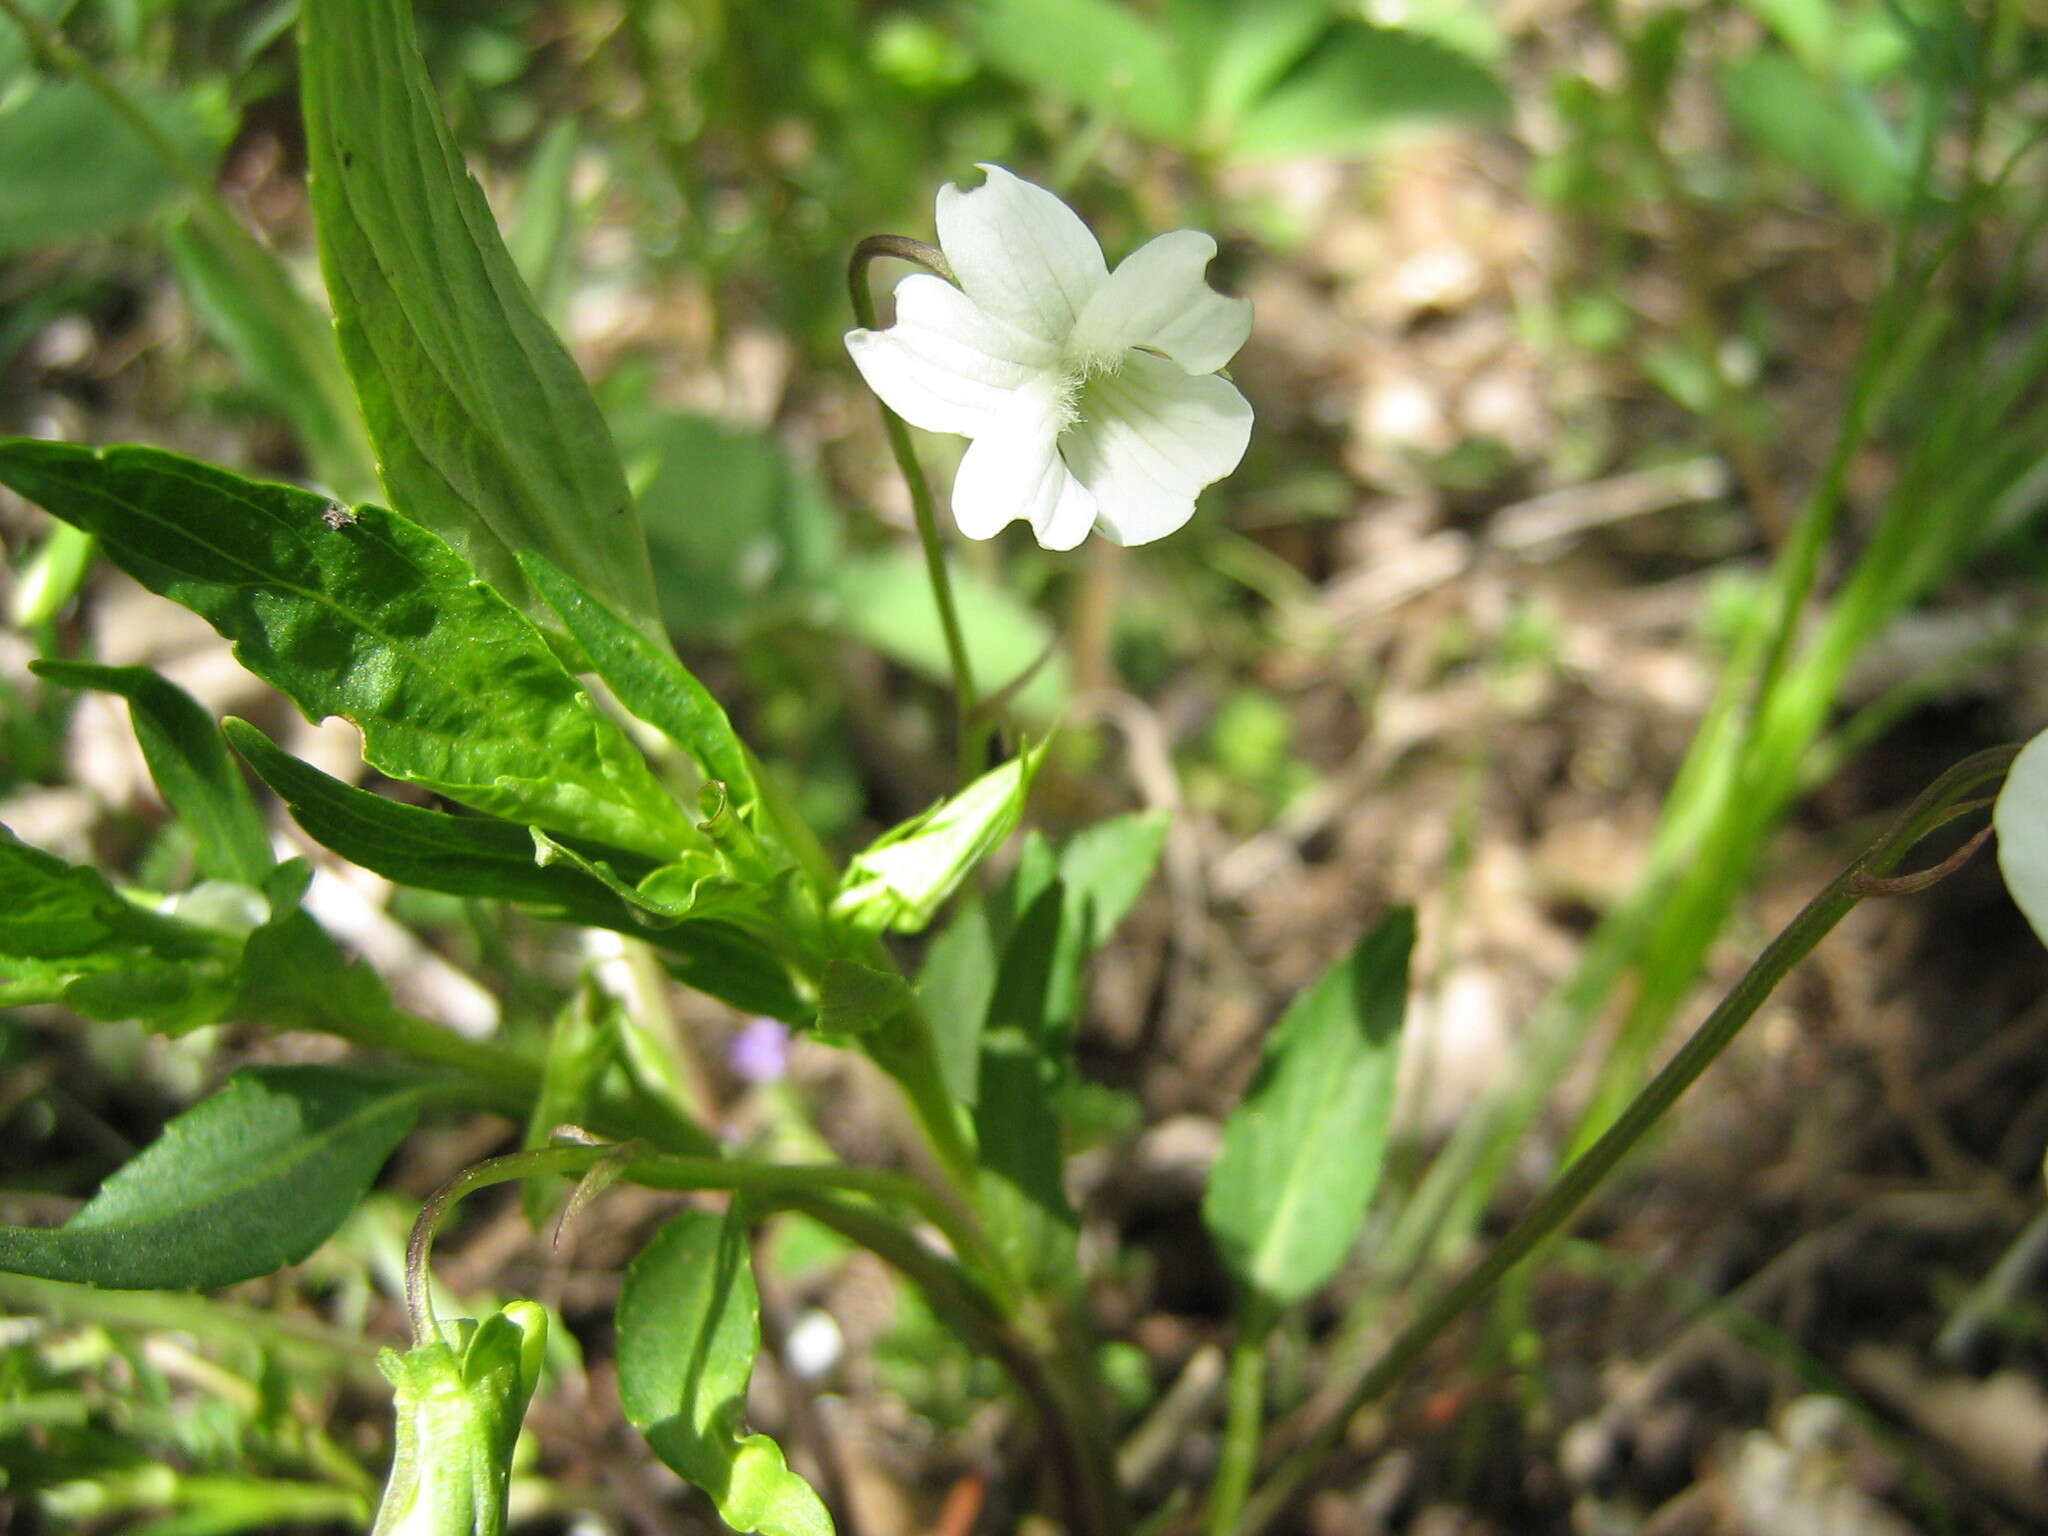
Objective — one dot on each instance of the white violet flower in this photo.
(2021, 817)
(1091, 396)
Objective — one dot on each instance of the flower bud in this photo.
(458, 1413)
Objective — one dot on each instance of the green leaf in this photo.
(854, 998)
(364, 615)
(1360, 84)
(1016, 1117)
(649, 681)
(243, 1183)
(901, 879)
(731, 965)
(1302, 1154)
(56, 910)
(247, 302)
(191, 767)
(886, 601)
(689, 1328)
(485, 431)
(1100, 873)
(1093, 54)
(542, 239)
(741, 536)
(410, 845)
(1829, 130)
(44, 198)
(1236, 51)
(472, 856)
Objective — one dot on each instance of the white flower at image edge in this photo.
(1091, 396)
(2021, 817)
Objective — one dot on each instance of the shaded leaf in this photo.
(739, 533)
(1302, 1154)
(1826, 129)
(1234, 52)
(485, 431)
(248, 303)
(1360, 84)
(885, 601)
(1093, 54)
(243, 1183)
(366, 616)
(191, 767)
(854, 998)
(689, 1328)
(44, 200)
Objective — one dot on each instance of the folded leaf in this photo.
(485, 431)
(243, 1183)
(192, 769)
(649, 680)
(365, 615)
(689, 1328)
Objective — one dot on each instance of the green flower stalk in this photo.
(459, 1408)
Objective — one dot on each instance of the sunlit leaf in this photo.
(689, 1328)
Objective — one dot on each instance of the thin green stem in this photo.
(970, 730)
(1243, 1418)
(1941, 802)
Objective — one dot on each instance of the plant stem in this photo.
(1939, 803)
(969, 730)
(1243, 1417)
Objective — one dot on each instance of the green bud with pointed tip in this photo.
(459, 1408)
(902, 878)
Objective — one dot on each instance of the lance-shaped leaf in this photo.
(485, 431)
(192, 769)
(1302, 1154)
(648, 680)
(365, 615)
(2021, 817)
(252, 1179)
(689, 1328)
(458, 1408)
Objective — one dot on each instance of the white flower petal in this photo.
(946, 365)
(1150, 437)
(1012, 469)
(1067, 521)
(1020, 253)
(2021, 817)
(1159, 297)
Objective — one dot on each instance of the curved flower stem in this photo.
(959, 1291)
(1941, 802)
(969, 729)
(658, 1170)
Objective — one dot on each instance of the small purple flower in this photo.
(759, 1053)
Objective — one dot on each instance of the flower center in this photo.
(1079, 368)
